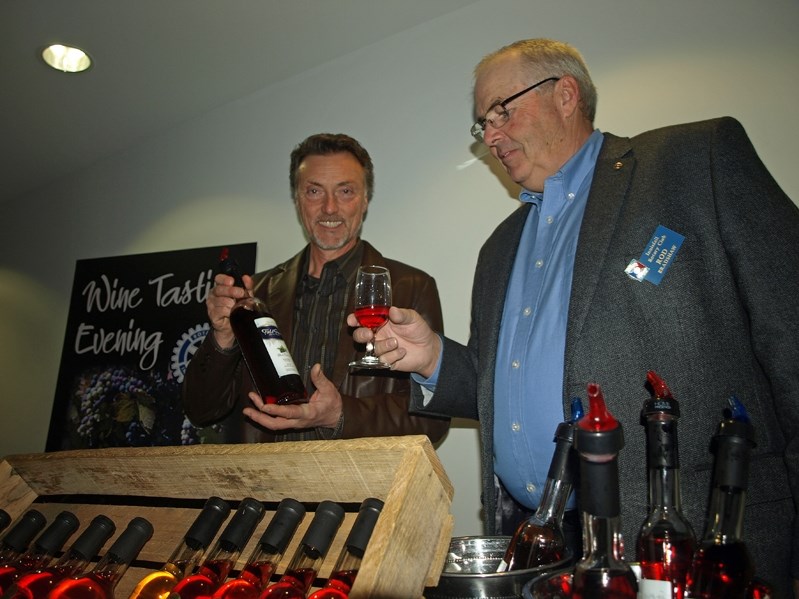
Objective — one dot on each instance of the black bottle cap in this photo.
(21, 534)
(324, 526)
(128, 544)
(364, 524)
(5, 519)
(283, 525)
(230, 267)
(207, 523)
(54, 536)
(731, 446)
(89, 542)
(564, 459)
(242, 524)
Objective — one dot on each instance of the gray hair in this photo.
(550, 58)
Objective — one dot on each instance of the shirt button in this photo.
(515, 364)
(516, 427)
(550, 219)
(527, 311)
(570, 196)
(530, 488)
(539, 263)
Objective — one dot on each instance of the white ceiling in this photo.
(158, 63)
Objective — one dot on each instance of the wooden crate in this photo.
(167, 485)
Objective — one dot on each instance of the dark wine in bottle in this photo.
(265, 353)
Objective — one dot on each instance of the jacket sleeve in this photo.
(210, 386)
(379, 405)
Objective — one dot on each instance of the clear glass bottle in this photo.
(349, 560)
(260, 566)
(539, 540)
(304, 566)
(18, 538)
(722, 565)
(221, 559)
(74, 561)
(188, 553)
(666, 540)
(100, 582)
(602, 572)
(42, 551)
(265, 353)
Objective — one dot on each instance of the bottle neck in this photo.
(110, 568)
(664, 488)
(553, 500)
(726, 515)
(184, 559)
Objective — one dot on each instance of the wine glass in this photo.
(372, 301)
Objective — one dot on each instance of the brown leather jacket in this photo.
(217, 383)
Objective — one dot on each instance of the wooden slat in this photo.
(407, 549)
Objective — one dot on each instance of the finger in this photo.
(270, 422)
(318, 378)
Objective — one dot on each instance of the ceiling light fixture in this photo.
(66, 58)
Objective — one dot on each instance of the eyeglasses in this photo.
(498, 115)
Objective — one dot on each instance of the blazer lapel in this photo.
(612, 175)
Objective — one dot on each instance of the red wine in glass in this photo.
(372, 301)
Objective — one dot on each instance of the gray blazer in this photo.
(725, 319)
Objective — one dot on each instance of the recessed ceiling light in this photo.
(66, 58)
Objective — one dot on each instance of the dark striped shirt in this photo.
(320, 312)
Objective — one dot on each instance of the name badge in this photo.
(657, 257)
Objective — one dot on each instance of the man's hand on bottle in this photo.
(220, 301)
(323, 408)
(406, 341)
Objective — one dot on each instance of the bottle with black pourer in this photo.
(602, 572)
(304, 565)
(100, 582)
(722, 566)
(42, 551)
(666, 540)
(539, 540)
(265, 353)
(74, 561)
(349, 560)
(186, 556)
(221, 559)
(257, 572)
(18, 538)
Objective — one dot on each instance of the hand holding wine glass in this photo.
(372, 301)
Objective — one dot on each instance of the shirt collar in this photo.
(575, 171)
(341, 270)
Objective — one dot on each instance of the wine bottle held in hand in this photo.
(265, 353)
(372, 302)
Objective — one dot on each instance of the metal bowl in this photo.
(470, 571)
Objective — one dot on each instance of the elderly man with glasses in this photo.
(674, 251)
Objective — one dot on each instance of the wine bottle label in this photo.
(654, 589)
(281, 357)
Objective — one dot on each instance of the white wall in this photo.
(223, 178)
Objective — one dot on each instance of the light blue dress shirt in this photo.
(528, 381)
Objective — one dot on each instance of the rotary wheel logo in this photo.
(185, 349)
